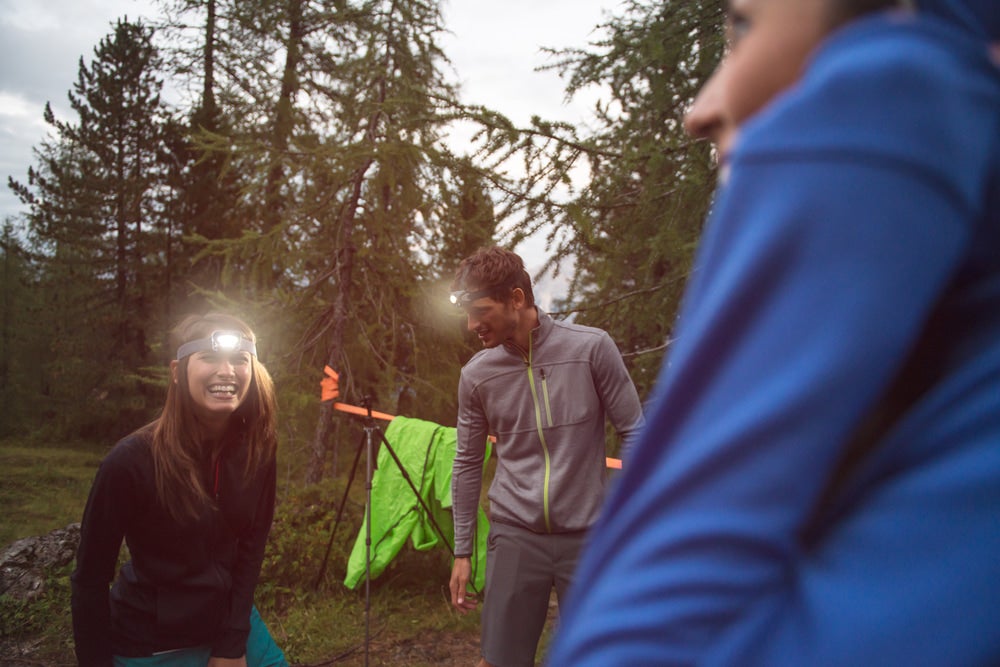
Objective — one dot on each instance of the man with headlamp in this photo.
(544, 389)
(192, 494)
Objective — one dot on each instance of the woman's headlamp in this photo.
(218, 341)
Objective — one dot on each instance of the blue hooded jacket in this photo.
(981, 18)
(818, 481)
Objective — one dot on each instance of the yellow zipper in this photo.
(541, 433)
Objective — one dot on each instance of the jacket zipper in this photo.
(545, 397)
(541, 432)
(215, 488)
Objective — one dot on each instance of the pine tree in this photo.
(96, 225)
(21, 353)
(331, 120)
(632, 229)
(390, 168)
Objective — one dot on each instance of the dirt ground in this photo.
(438, 648)
(432, 649)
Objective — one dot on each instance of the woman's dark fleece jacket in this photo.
(186, 584)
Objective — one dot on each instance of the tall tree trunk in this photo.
(321, 436)
(121, 251)
(208, 63)
(345, 270)
(208, 209)
(283, 121)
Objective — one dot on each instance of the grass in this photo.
(410, 619)
(44, 487)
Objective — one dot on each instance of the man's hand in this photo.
(227, 662)
(461, 599)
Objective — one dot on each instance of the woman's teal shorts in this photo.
(261, 651)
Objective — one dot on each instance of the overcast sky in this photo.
(494, 48)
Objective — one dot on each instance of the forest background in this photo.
(304, 180)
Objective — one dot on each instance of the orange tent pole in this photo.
(355, 410)
(330, 390)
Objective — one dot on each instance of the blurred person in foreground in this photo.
(544, 388)
(818, 482)
(192, 495)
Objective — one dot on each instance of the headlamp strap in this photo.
(463, 297)
(218, 341)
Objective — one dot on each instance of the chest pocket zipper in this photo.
(545, 397)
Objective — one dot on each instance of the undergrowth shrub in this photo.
(44, 621)
(303, 521)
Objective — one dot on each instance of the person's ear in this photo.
(173, 371)
(518, 298)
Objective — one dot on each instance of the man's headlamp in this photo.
(219, 341)
(463, 297)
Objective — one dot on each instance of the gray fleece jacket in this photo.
(546, 406)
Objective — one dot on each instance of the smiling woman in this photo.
(219, 373)
(193, 495)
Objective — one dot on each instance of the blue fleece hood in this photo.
(981, 17)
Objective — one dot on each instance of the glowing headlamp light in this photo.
(462, 298)
(218, 341)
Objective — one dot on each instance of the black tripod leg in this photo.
(340, 512)
(369, 469)
(416, 492)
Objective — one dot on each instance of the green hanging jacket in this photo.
(426, 450)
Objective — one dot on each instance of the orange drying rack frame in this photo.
(330, 390)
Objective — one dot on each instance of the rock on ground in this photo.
(24, 563)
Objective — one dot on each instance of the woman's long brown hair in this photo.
(178, 453)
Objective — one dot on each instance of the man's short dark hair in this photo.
(496, 269)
